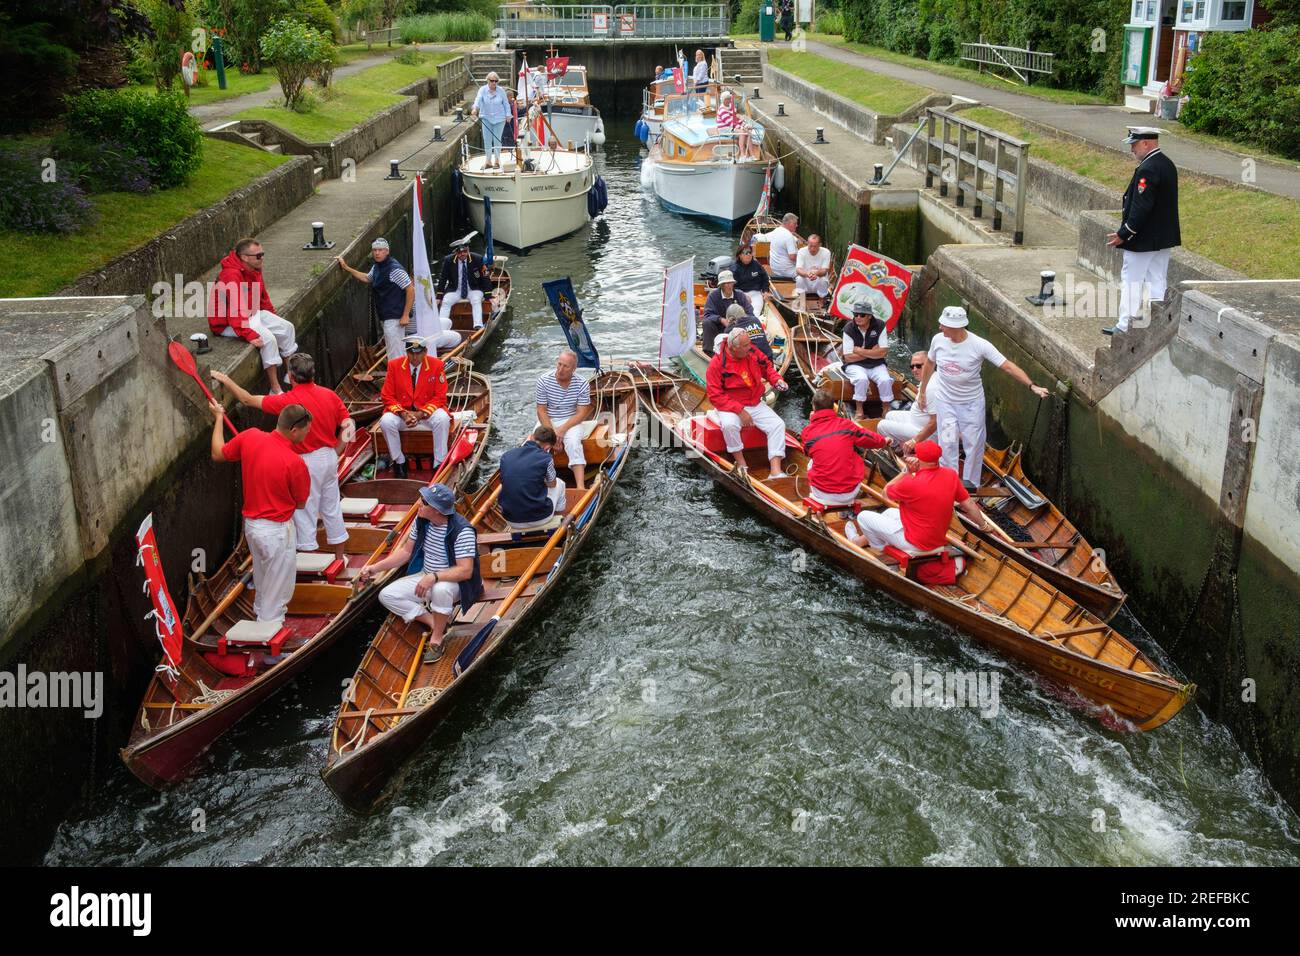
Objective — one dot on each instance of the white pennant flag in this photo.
(677, 327)
(426, 315)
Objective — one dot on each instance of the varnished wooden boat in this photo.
(395, 701)
(695, 363)
(360, 388)
(1062, 556)
(998, 600)
(783, 291)
(469, 402)
(816, 346)
(179, 719)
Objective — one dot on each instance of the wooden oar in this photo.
(224, 604)
(184, 361)
(466, 656)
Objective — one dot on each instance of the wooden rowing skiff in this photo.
(695, 363)
(395, 701)
(218, 684)
(360, 388)
(997, 599)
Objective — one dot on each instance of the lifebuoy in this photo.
(189, 68)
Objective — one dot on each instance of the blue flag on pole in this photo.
(565, 303)
(488, 253)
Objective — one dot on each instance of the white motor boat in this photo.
(566, 100)
(697, 169)
(541, 199)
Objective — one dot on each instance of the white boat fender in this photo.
(598, 134)
(778, 177)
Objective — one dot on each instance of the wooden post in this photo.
(961, 150)
(1022, 173)
(979, 172)
(997, 185)
(929, 147)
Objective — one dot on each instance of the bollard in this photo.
(821, 136)
(1046, 290)
(879, 173)
(437, 134)
(393, 171)
(318, 237)
(757, 94)
(780, 109)
(201, 346)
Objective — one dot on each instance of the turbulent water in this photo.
(700, 691)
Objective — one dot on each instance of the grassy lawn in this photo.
(41, 264)
(353, 100)
(1243, 229)
(237, 84)
(882, 94)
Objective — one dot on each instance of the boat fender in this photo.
(598, 134)
(778, 177)
(641, 130)
(647, 173)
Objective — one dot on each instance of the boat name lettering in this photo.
(1076, 671)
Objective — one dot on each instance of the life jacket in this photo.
(471, 589)
(389, 299)
(865, 340)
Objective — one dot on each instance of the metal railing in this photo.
(982, 163)
(599, 23)
(453, 77)
(1019, 60)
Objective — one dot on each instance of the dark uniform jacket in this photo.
(1151, 206)
(448, 277)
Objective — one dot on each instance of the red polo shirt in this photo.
(327, 413)
(276, 481)
(926, 501)
(832, 443)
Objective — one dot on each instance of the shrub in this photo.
(100, 167)
(1246, 86)
(35, 65)
(156, 126)
(168, 37)
(30, 204)
(297, 51)
(746, 18)
(444, 27)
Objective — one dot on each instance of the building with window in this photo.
(1162, 35)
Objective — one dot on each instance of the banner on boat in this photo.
(765, 198)
(424, 312)
(166, 622)
(875, 279)
(677, 325)
(565, 304)
(556, 67)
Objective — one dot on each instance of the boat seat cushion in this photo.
(706, 430)
(551, 524)
(358, 507)
(312, 562)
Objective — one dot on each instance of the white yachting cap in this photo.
(380, 243)
(415, 342)
(954, 317)
(1136, 133)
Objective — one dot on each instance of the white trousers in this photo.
(452, 296)
(322, 501)
(962, 421)
(814, 286)
(278, 338)
(558, 499)
(392, 426)
(275, 565)
(832, 499)
(394, 333)
(863, 375)
(882, 528)
(902, 426)
(766, 419)
(1142, 275)
(756, 301)
(400, 598)
(572, 440)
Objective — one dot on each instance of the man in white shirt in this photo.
(812, 268)
(564, 406)
(700, 74)
(863, 351)
(783, 248)
(905, 424)
(959, 356)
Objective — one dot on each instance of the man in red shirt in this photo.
(925, 493)
(331, 430)
(735, 387)
(831, 442)
(415, 396)
(276, 484)
(239, 306)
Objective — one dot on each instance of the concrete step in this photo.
(481, 63)
(254, 135)
(317, 175)
(747, 65)
(274, 148)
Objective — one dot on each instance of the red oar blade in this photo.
(184, 361)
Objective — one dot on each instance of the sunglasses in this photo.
(302, 420)
(253, 255)
(918, 365)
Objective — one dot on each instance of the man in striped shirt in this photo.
(391, 291)
(564, 406)
(434, 582)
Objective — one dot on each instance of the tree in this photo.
(171, 23)
(298, 52)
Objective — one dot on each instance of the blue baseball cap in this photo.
(439, 497)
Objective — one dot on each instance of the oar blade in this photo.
(470, 651)
(182, 357)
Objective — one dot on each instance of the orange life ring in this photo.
(189, 68)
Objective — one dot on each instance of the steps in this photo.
(740, 66)
(500, 62)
